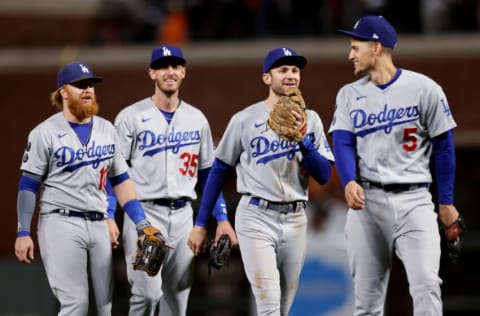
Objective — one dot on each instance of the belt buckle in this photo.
(288, 209)
(171, 204)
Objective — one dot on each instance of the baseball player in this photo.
(386, 127)
(169, 148)
(272, 177)
(74, 156)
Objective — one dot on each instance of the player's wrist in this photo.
(221, 217)
(23, 233)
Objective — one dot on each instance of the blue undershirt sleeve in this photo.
(28, 187)
(134, 210)
(444, 166)
(114, 181)
(112, 201)
(213, 186)
(317, 166)
(220, 209)
(344, 148)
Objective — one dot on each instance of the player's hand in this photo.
(197, 239)
(114, 232)
(24, 249)
(448, 214)
(300, 123)
(354, 195)
(225, 228)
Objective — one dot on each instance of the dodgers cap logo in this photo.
(75, 71)
(283, 56)
(374, 28)
(167, 54)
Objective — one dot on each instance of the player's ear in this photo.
(184, 72)
(378, 48)
(151, 73)
(62, 92)
(267, 79)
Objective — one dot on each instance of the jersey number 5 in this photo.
(190, 164)
(410, 139)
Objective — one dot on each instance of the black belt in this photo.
(281, 207)
(92, 216)
(393, 187)
(171, 203)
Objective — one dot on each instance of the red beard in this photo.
(82, 111)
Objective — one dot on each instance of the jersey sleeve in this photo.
(320, 139)
(206, 147)
(230, 145)
(125, 136)
(119, 164)
(341, 119)
(437, 116)
(37, 153)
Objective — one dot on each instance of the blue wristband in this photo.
(134, 210)
(23, 234)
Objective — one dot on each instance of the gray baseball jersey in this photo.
(75, 178)
(165, 158)
(75, 175)
(393, 126)
(267, 166)
(272, 243)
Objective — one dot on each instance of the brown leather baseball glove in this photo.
(282, 121)
(151, 251)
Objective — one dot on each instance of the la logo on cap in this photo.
(84, 69)
(286, 52)
(166, 51)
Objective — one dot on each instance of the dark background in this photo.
(224, 55)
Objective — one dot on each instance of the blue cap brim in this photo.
(355, 35)
(94, 79)
(168, 60)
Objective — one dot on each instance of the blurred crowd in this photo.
(177, 21)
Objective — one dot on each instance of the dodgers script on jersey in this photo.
(76, 175)
(270, 166)
(403, 109)
(171, 153)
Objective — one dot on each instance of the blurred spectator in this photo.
(128, 21)
(178, 21)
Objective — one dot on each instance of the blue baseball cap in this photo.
(75, 71)
(374, 28)
(283, 56)
(167, 53)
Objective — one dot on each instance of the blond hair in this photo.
(56, 99)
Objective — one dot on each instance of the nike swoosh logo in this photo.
(361, 97)
(257, 125)
(61, 135)
(144, 119)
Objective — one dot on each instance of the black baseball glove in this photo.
(219, 254)
(452, 234)
(151, 251)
